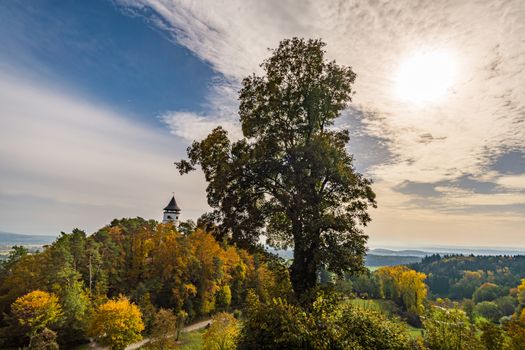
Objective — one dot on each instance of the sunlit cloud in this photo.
(439, 86)
(468, 127)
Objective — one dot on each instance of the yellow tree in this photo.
(521, 295)
(117, 323)
(36, 310)
(222, 333)
(404, 286)
(413, 290)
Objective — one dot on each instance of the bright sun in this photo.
(425, 77)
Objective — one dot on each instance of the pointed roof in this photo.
(172, 205)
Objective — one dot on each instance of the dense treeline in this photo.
(152, 264)
(458, 277)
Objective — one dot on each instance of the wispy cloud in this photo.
(481, 117)
(445, 147)
(67, 162)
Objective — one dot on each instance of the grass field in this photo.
(414, 332)
(192, 340)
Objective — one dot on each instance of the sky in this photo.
(99, 98)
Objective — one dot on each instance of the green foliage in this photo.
(488, 310)
(507, 305)
(468, 306)
(223, 297)
(76, 306)
(367, 285)
(275, 325)
(182, 316)
(515, 330)
(448, 329)
(291, 177)
(326, 324)
(222, 333)
(457, 277)
(493, 336)
(486, 292)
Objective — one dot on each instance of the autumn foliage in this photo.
(117, 323)
(153, 264)
(36, 310)
(404, 286)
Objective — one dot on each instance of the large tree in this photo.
(291, 177)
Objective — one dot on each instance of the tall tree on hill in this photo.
(291, 176)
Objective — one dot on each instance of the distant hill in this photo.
(375, 257)
(405, 252)
(10, 239)
(390, 260)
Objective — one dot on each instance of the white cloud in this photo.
(478, 119)
(222, 106)
(481, 116)
(72, 163)
(191, 126)
(516, 182)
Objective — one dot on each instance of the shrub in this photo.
(222, 333)
(449, 329)
(164, 327)
(372, 330)
(46, 339)
(326, 324)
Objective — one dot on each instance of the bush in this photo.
(447, 329)
(493, 337)
(163, 330)
(372, 330)
(46, 339)
(326, 324)
(222, 333)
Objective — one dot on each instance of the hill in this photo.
(390, 260)
(10, 239)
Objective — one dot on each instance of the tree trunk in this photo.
(303, 271)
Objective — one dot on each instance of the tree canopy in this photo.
(291, 177)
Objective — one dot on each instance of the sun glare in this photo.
(425, 77)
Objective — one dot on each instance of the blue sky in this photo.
(98, 98)
(93, 48)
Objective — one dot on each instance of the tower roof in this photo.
(172, 205)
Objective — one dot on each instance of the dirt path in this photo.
(190, 328)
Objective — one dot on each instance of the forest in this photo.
(158, 278)
(152, 264)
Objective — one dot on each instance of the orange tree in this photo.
(117, 323)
